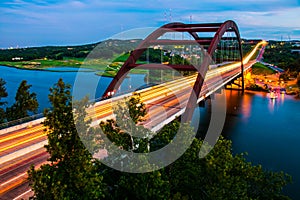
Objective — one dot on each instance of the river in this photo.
(267, 129)
(90, 85)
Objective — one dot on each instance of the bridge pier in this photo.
(201, 104)
(237, 84)
(204, 112)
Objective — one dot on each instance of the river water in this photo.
(269, 130)
(88, 83)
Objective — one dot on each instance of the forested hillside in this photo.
(281, 55)
(105, 49)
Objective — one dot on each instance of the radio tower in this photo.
(166, 18)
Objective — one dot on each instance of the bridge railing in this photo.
(21, 121)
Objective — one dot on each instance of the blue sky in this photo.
(40, 22)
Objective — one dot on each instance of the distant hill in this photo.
(105, 49)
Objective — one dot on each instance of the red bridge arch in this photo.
(219, 29)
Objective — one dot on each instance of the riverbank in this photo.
(264, 79)
(261, 75)
(44, 64)
(100, 67)
(291, 91)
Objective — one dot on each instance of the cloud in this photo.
(81, 21)
(269, 24)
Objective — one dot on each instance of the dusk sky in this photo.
(57, 22)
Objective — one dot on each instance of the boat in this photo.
(273, 95)
(282, 90)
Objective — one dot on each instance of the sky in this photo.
(25, 23)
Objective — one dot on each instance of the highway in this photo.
(22, 146)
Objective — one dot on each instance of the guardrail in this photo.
(21, 121)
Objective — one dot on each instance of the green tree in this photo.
(25, 102)
(72, 172)
(122, 131)
(3, 94)
(151, 185)
(219, 175)
(222, 175)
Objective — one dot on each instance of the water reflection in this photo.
(247, 105)
(274, 103)
(268, 129)
(271, 105)
(282, 96)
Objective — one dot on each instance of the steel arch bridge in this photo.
(219, 41)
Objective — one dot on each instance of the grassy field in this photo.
(102, 66)
(42, 64)
(112, 73)
(260, 69)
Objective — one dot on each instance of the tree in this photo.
(222, 175)
(3, 94)
(127, 135)
(219, 175)
(123, 130)
(25, 102)
(151, 185)
(72, 172)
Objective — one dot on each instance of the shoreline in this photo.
(99, 72)
(109, 75)
(291, 95)
(50, 68)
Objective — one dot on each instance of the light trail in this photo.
(40, 135)
(23, 194)
(21, 133)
